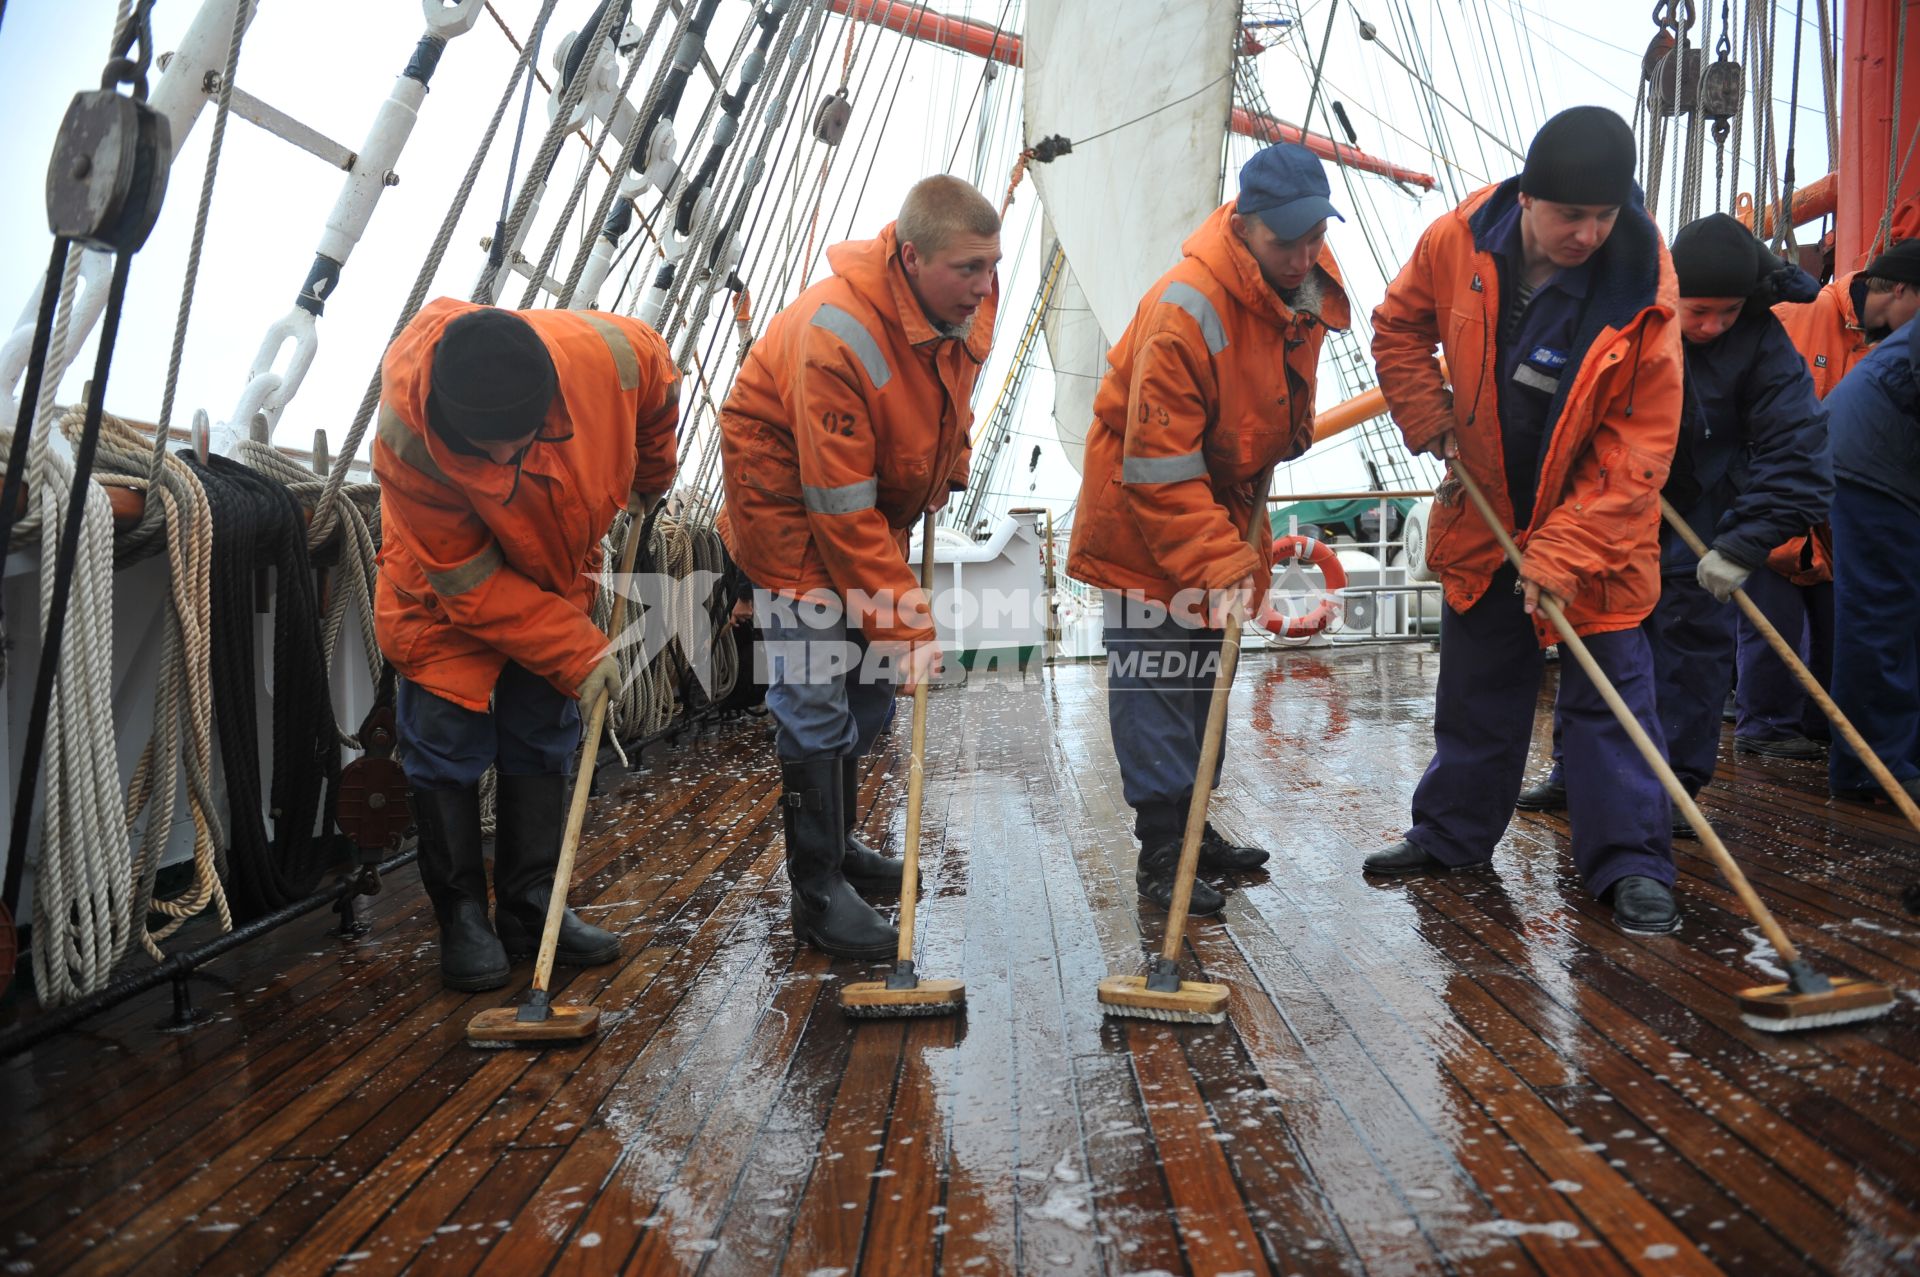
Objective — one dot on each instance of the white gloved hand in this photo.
(1720, 576)
(602, 680)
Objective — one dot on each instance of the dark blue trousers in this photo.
(828, 697)
(1876, 615)
(1160, 676)
(532, 730)
(1692, 638)
(1772, 703)
(1489, 687)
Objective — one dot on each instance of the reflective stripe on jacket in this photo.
(848, 421)
(1209, 387)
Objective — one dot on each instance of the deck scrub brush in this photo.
(903, 992)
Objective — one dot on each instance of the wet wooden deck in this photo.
(1469, 1074)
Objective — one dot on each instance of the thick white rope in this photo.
(82, 904)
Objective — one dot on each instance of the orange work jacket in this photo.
(1827, 333)
(1594, 538)
(847, 423)
(482, 563)
(1210, 386)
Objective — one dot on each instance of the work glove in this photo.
(1720, 576)
(1786, 282)
(602, 680)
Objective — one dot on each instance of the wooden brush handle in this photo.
(1895, 790)
(1210, 740)
(1676, 792)
(582, 787)
(916, 769)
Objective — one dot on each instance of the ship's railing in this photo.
(1364, 607)
(1393, 608)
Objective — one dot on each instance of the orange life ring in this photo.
(1326, 607)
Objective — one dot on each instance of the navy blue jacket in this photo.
(1875, 411)
(1751, 470)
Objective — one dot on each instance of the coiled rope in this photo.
(259, 526)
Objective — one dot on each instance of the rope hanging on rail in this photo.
(260, 536)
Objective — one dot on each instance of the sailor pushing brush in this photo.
(1553, 303)
(847, 426)
(508, 442)
(1210, 387)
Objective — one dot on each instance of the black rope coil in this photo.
(258, 525)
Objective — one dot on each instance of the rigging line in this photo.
(774, 253)
(537, 277)
(1164, 106)
(1453, 53)
(1554, 22)
(1429, 110)
(214, 148)
(1458, 110)
(709, 233)
(1424, 145)
(1523, 36)
(519, 48)
(1783, 225)
(1885, 233)
(519, 132)
(795, 170)
(905, 48)
(1326, 39)
(487, 288)
(805, 266)
(986, 67)
(1502, 86)
(322, 524)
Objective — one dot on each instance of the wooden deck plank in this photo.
(1469, 1074)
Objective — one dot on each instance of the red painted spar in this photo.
(913, 19)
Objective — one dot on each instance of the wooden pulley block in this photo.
(108, 175)
(830, 121)
(375, 807)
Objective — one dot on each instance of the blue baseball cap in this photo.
(1285, 186)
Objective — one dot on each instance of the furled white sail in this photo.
(1078, 352)
(1160, 77)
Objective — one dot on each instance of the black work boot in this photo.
(1159, 865)
(827, 913)
(1644, 905)
(448, 824)
(530, 818)
(1544, 795)
(1218, 854)
(868, 870)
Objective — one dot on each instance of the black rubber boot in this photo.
(868, 870)
(448, 823)
(1221, 856)
(827, 913)
(1546, 795)
(530, 818)
(1159, 862)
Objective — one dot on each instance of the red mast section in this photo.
(1875, 129)
(915, 21)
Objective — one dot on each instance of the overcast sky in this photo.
(917, 109)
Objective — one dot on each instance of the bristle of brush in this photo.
(1823, 1020)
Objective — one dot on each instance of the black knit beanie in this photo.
(1716, 256)
(492, 377)
(1901, 263)
(1584, 155)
